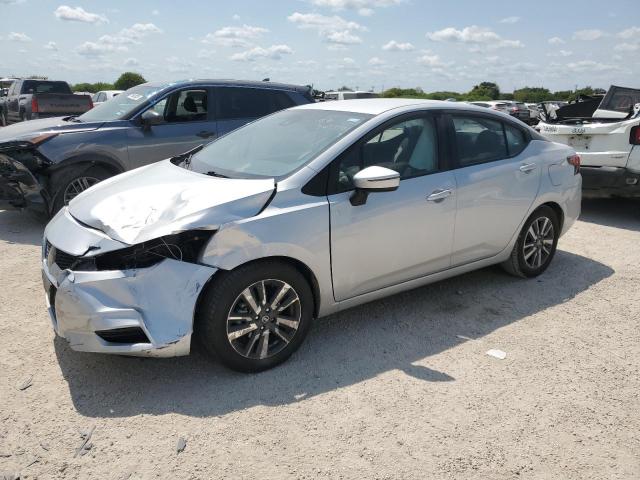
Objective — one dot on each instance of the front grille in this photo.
(63, 259)
(124, 335)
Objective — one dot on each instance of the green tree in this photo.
(532, 94)
(128, 80)
(484, 91)
(92, 87)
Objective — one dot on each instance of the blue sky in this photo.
(436, 45)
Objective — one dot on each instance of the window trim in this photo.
(455, 160)
(443, 150)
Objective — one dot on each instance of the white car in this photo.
(104, 95)
(606, 134)
(349, 95)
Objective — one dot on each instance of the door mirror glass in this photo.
(151, 117)
(373, 179)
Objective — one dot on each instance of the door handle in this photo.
(205, 134)
(527, 167)
(439, 195)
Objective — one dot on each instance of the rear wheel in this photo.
(253, 318)
(536, 244)
(69, 182)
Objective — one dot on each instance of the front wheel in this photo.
(253, 318)
(536, 244)
(71, 181)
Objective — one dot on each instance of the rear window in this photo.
(41, 86)
(236, 102)
(620, 99)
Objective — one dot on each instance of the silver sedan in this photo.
(299, 215)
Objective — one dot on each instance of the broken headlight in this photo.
(184, 247)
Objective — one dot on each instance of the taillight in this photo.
(515, 109)
(90, 104)
(575, 161)
(634, 138)
(34, 105)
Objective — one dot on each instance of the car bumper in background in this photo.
(610, 181)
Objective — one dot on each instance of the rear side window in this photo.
(236, 102)
(516, 141)
(478, 140)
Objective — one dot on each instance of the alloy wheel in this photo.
(77, 186)
(538, 242)
(263, 319)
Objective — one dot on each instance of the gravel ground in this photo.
(399, 388)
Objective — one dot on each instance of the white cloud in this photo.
(627, 47)
(205, 53)
(473, 35)
(274, 52)
(179, 65)
(589, 66)
(131, 62)
(588, 35)
(510, 20)
(363, 7)
(335, 30)
(18, 37)
(633, 32)
(78, 14)
(394, 46)
(430, 60)
(51, 46)
(155, 12)
(236, 17)
(235, 36)
(560, 53)
(93, 49)
(131, 35)
(376, 62)
(555, 41)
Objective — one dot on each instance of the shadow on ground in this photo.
(612, 212)
(17, 226)
(341, 350)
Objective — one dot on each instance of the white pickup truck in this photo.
(605, 132)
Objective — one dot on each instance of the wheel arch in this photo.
(557, 210)
(91, 159)
(304, 269)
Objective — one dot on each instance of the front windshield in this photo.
(122, 105)
(276, 145)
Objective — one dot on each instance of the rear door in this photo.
(237, 106)
(395, 236)
(497, 181)
(188, 123)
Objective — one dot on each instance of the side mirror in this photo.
(150, 118)
(373, 179)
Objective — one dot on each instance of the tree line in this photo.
(491, 91)
(124, 82)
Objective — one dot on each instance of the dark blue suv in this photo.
(45, 163)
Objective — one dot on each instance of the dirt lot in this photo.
(400, 388)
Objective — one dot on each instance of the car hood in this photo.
(162, 198)
(33, 128)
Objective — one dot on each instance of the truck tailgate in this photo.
(63, 104)
(599, 144)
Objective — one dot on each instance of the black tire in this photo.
(222, 295)
(519, 263)
(62, 180)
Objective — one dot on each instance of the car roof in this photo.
(376, 106)
(230, 83)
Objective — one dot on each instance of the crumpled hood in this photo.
(162, 198)
(33, 128)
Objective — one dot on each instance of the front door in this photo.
(395, 236)
(188, 123)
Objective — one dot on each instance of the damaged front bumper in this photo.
(19, 187)
(141, 311)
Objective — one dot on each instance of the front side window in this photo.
(184, 106)
(409, 147)
(276, 145)
(478, 140)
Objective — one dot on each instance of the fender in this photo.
(91, 159)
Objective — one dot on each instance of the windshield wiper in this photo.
(211, 173)
(72, 118)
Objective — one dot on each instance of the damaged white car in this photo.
(299, 215)
(605, 131)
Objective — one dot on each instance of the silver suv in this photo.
(299, 215)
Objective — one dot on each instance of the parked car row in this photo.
(518, 110)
